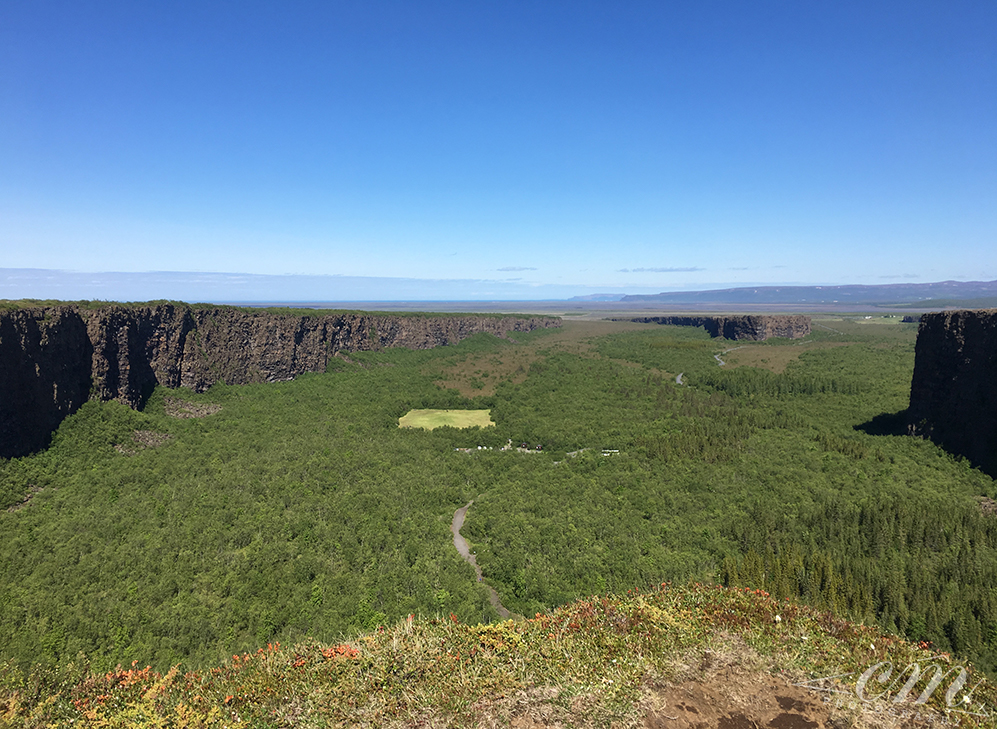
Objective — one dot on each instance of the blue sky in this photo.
(489, 150)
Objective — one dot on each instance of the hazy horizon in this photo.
(226, 288)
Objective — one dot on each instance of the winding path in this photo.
(717, 356)
(461, 545)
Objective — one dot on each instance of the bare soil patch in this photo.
(730, 689)
(742, 697)
(731, 699)
(177, 408)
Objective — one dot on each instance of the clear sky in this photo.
(535, 148)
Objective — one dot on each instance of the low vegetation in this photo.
(598, 661)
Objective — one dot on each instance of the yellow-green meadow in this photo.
(429, 419)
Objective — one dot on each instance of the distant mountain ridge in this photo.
(905, 293)
(598, 297)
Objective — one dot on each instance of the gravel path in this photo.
(461, 545)
(717, 356)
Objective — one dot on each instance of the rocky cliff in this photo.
(761, 326)
(45, 357)
(53, 359)
(953, 394)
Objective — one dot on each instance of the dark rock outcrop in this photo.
(53, 359)
(757, 327)
(45, 357)
(953, 394)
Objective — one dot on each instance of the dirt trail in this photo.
(461, 545)
(717, 356)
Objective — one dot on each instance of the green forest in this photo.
(211, 524)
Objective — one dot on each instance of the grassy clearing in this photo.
(773, 359)
(430, 419)
(480, 374)
(594, 662)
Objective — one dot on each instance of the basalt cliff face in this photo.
(44, 374)
(53, 359)
(755, 327)
(953, 394)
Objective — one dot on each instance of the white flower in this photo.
(778, 618)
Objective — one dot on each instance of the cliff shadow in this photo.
(885, 424)
(45, 361)
(144, 392)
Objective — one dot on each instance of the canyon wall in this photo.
(53, 359)
(953, 394)
(757, 327)
(45, 360)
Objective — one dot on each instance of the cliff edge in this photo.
(953, 394)
(756, 327)
(52, 359)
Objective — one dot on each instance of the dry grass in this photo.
(773, 358)
(671, 657)
(480, 374)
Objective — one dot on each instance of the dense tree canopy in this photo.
(300, 508)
